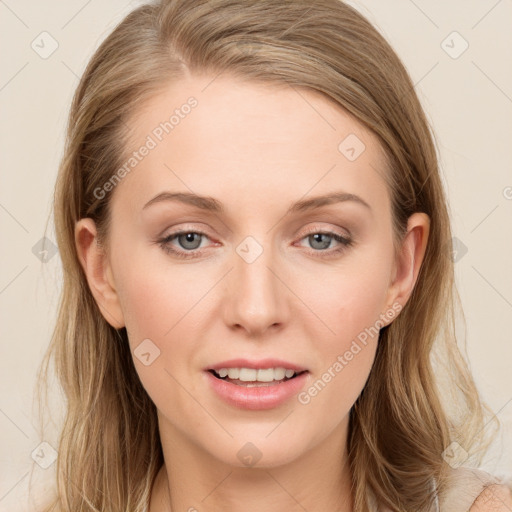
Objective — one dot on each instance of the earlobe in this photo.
(98, 272)
(410, 258)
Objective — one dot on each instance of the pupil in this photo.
(318, 238)
(188, 238)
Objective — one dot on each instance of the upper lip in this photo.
(260, 364)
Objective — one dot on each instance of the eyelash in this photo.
(196, 253)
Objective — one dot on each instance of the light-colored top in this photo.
(464, 486)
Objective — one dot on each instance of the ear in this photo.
(411, 254)
(97, 269)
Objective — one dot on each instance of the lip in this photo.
(256, 398)
(257, 365)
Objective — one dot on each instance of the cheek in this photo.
(350, 307)
(345, 301)
(346, 356)
(158, 306)
(165, 304)
(156, 300)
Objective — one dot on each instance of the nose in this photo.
(255, 296)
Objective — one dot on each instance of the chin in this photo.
(259, 451)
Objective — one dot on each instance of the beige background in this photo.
(468, 100)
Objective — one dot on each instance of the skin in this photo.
(257, 149)
(494, 498)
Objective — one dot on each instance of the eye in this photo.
(190, 241)
(321, 240)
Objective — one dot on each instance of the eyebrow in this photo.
(211, 204)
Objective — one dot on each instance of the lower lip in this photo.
(256, 398)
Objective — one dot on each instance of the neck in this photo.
(194, 481)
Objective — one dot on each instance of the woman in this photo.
(258, 292)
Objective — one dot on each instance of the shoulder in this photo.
(494, 498)
(466, 489)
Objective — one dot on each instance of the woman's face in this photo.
(261, 274)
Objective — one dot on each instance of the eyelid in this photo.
(316, 229)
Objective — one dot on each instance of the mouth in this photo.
(251, 377)
(256, 385)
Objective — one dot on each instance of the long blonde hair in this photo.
(420, 396)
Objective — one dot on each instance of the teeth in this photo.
(265, 375)
(253, 375)
(233, 373)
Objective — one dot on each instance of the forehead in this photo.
(254, 145)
